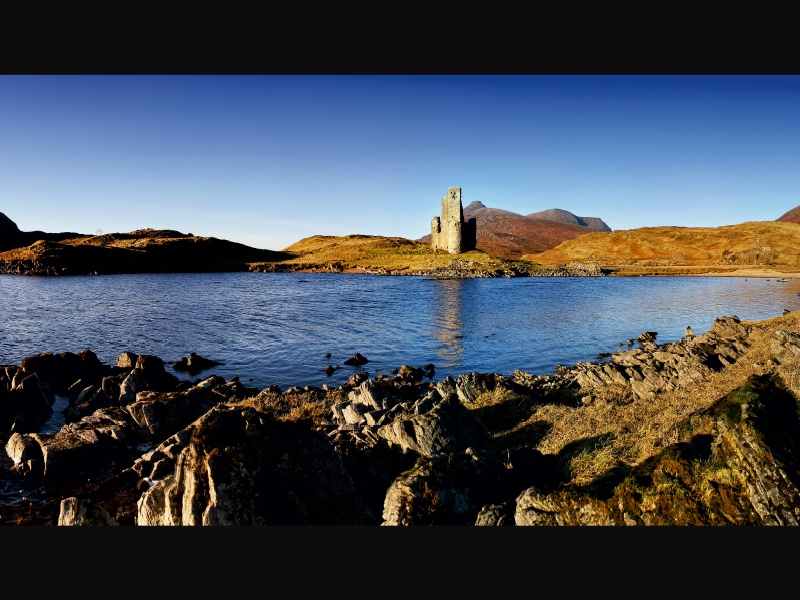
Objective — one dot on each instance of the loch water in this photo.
(277, 328)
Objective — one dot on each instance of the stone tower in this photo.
(450, 232)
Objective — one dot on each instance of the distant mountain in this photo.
(511, 235)
(793, 216)
(563, 216)
(11, 237)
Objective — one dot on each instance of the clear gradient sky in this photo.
(268, 160)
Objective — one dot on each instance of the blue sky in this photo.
(269, 160)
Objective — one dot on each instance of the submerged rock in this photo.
(356, 360)
(195, 364)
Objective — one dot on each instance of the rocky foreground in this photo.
(701, 431)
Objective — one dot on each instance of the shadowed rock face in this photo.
(511, 235)
(246, 468)
(7, 225)
(11, 236)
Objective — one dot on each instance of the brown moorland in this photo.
(792, 216)
(752, 243)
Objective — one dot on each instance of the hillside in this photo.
(792, 216)
(142, 251)
(11, 237)
(511, 235)
(372, 252)
(753, 243)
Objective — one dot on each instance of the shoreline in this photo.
(136, 432)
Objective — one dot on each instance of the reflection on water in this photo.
(447, 325)
(277, 328)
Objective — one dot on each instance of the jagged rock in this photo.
(148, 375)
(26, 406)
(79, 512)
(127, 360)
(87, 402)
(112, 385)
(375, 395)
(447, 427)
(94, 443)
(785, 346)
(159, 415)
(356, 360)
(246, 468)
(471, 385)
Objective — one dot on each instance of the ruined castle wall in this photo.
(436, 229)
(450, 232)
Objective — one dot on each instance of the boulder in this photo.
(80, 512)
(242, 467)
(356, 360)
(447, 427)
(26, 406)
(127, 360)
(26, 454)
(60, 371)
(148, 375)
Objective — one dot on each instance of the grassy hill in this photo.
(375, 252)
(142, 251)
(371, 253)
(753, 243)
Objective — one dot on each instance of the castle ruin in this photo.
(450, 232)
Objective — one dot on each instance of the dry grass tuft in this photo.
(313, 405)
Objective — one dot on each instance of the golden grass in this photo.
(378, 252)
(313, 405)
(768, 242)
(616, 426)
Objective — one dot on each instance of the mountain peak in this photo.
(475, 205)
(7, 225)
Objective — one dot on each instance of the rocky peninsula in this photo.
(703, 430)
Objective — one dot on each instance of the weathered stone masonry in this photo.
(450, 232)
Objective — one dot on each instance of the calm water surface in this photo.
(277, 328)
